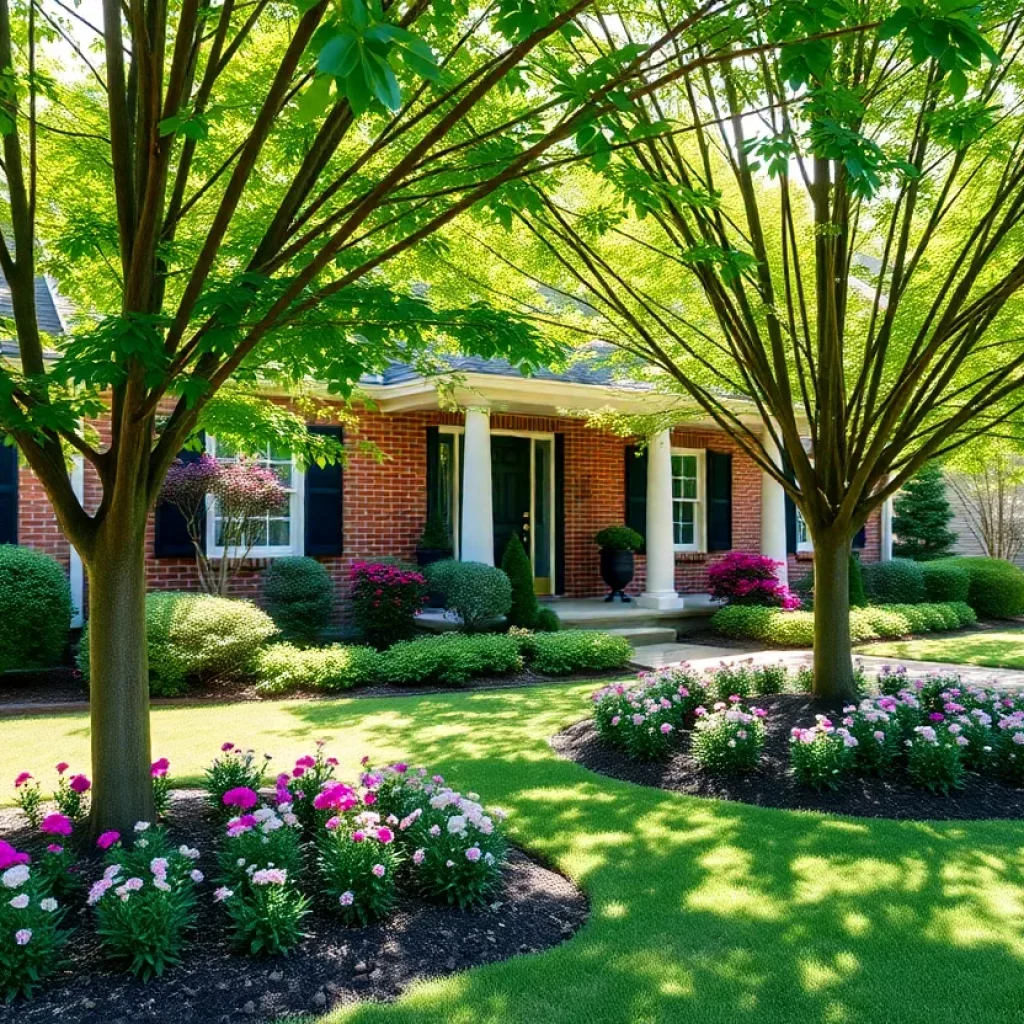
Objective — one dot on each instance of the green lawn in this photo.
(1002, 648)
(701, 911)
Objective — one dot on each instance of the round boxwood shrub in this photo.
(618, 538)
(899, 581)
(945, 580)
(35, 609)
(479, 594)
(996, 588)
(299, 596)
(197, 638)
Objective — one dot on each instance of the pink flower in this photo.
(9, 856)
(358, 836)
(306, 761)
(80, 784)
(346, 899)
(336, 796)
(378, 870)
(270, 876)
(401, 767)
(54, 848)
(418, 856)
(158, 769)
(369, 799)
(57, 824)
(242, 797)
(22, 779)
(107, 840)
(222, 894)
(666, 728)
(473, 854)
(62, 767)
(298, 771)
(23, 936)
(385, 835)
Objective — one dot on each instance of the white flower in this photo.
(196, 876)
(49, 904)
(141, 826)
(20, 902)
(14, 878)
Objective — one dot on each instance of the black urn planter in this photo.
(617, 569)
(425, 557)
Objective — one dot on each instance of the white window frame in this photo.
(296, 509)
(456, 432)
(805, 544)
(699, 516)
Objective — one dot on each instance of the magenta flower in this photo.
(369, 799)
(158, 769)
(57, 825)
(54, 848)
(225, 747)
(80, 784)
(241, 797)
(62, 767)
(385, 835)
(107, 839)
(336, 796)
(306, 761)
(9, 856)
(22, 779)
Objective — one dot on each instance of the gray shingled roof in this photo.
(47, 309)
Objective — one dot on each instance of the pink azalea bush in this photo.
(644, 718)
(144, 902)
(741, 578)
(386, 599)
(31, 936)
(729, 739)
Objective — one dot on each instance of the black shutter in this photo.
(861, 537)
(170, 532)
(8, 495)
(433, 469)
(787, 472)
(324, 504)
(719, 490)
(636, 489)
(559, 513)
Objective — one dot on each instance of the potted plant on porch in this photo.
(618, 546)
(435, 544)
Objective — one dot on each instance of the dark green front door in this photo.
(510, 474)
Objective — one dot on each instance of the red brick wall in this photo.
(385, 503)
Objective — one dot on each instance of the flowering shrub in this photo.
(455, 849)
(730, 739)
(30, 934)
(878, 733)
(642, 719)
(358, 862)
(310, 789)
(29, 798)
(161, 786)
(744, 678)
(235, 769)
(823, 754)
(266, 913)
(256, 839)
(385, 601)
(934, 760)
(70, 794)
(145, 902)
(1009, 747)
(741, 578)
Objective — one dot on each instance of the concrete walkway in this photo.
(702, 656)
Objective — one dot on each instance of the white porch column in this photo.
(661, 558)
(773, 513)
(477, 533)
(887, 530)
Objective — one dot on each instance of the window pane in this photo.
(280, 533)
(683, 522)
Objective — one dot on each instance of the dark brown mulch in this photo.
(773, 785)
(535, 909)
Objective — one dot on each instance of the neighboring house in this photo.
(512, 458)
(968, 542)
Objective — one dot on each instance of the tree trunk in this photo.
(833, 666)
(119, 675)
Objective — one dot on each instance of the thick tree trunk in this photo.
(119, 677)
(833, 667)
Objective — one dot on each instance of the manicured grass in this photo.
(701, 911)
(1002, 648)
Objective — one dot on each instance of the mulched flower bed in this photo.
(773, 785)
(535, 909)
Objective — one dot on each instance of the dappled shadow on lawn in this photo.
(708, 911)
(1004, 649)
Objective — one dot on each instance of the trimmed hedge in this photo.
(876, 622)
(35, 609)
(283, 668)
(451, 659)
(575, 650)
(299, 596)
(899, 581)
(995, 587)
(196, 638)
(945, 580)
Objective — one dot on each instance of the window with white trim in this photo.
(279, 533)
(803, 535)
(687, 499)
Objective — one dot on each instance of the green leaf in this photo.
(315, 100)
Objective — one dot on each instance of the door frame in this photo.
(532, 436)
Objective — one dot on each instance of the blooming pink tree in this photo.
(244, 493)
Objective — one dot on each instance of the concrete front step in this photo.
(645, 636)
